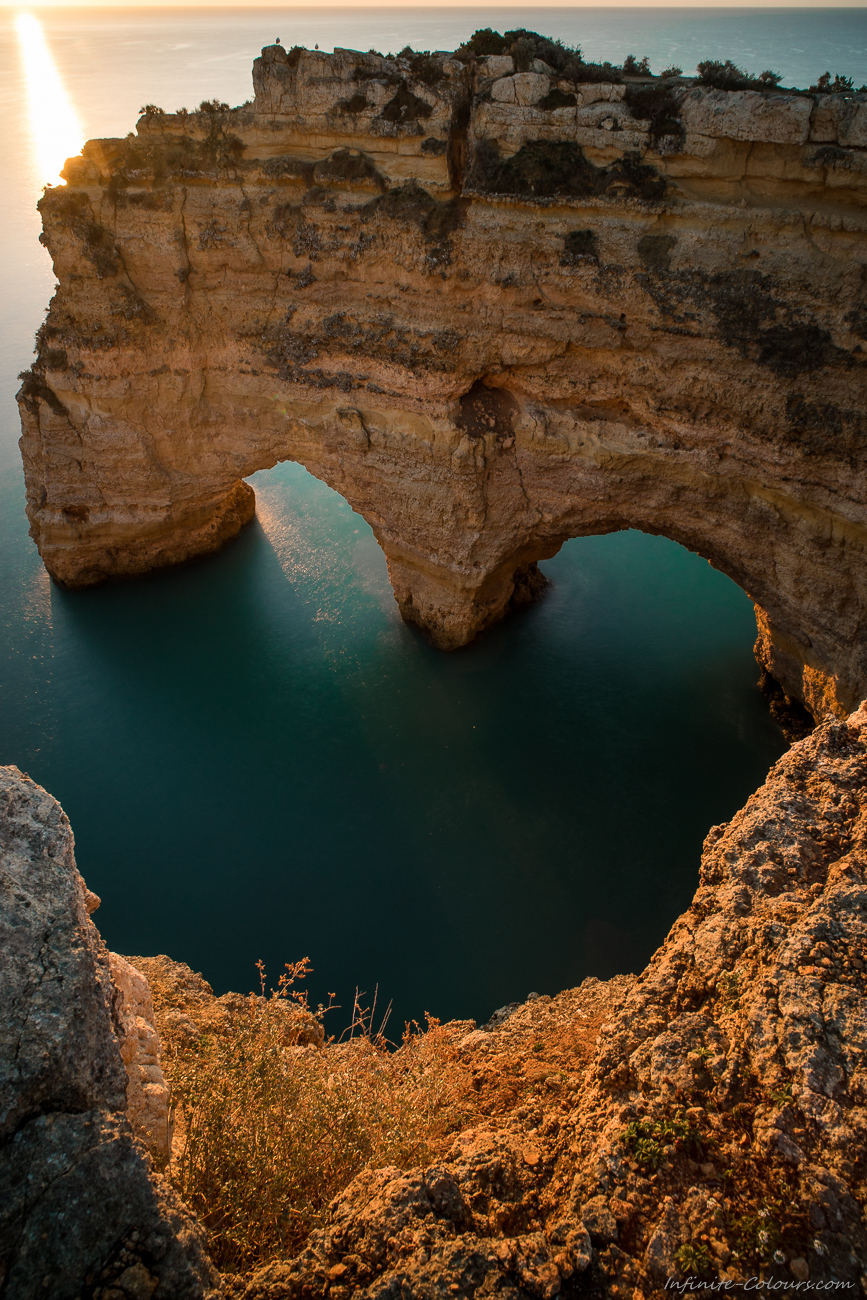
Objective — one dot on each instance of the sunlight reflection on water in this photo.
(55, 128)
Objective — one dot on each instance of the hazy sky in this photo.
(450, 4)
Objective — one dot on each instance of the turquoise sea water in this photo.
(260, 760)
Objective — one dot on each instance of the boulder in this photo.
(78, 1196)
(747, 115)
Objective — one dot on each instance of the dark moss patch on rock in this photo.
(749, 317)
(581, 247)
(348, 165)
(405, 107)
(285, 167)
(824, 429)
(290, 351)
(791, 350)
(856, 319)
(547, 168)
(655, 251)
(434, 148)
(831, 155)
(557, 98)
(34, 390)
(357, 103)
(411, 204)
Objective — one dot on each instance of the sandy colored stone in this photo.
(334, 285)
(748, 115)
(147, 1093)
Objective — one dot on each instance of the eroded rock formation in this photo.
(494, 310)
(80, 1205)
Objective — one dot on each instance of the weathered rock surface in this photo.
(492, 318)
(147, 1093)
(707, 1119)
(80, 1206)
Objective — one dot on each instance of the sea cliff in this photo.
(495, 309)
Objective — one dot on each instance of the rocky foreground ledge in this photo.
(705, 1120)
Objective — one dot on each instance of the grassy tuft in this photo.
(270, 1124)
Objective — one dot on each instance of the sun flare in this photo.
(54, 124)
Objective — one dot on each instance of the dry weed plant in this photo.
(270, 1126)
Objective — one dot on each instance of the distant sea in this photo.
(258, 758)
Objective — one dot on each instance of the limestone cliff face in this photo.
(494, 311)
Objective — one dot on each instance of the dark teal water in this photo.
(260, 760)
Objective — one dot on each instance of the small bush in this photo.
(646, 1140)
(151, 110)
(269, 1130)
(633, 67)
(213, 106)
(728, 76)
(525, 46)
(694, 1259)
(729, 989)
(840, 85)
(672, 71)
(657, 105)
(424, 68)
(483, 42)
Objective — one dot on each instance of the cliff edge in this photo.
(705, 1120)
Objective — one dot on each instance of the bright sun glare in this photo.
(54, 125)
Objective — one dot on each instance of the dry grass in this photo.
(269, 1128)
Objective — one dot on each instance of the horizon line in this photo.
(158, 5)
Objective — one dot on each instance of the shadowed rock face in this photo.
(78, 1198)
(495, 312)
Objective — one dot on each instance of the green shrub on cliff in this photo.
(270, 1126)
(525, 46)
(728, 76)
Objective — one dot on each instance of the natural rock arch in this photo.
(668, 342)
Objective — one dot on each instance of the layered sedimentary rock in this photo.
(495, 310)
(80, 1204)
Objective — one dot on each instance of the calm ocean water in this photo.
(258, 758)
